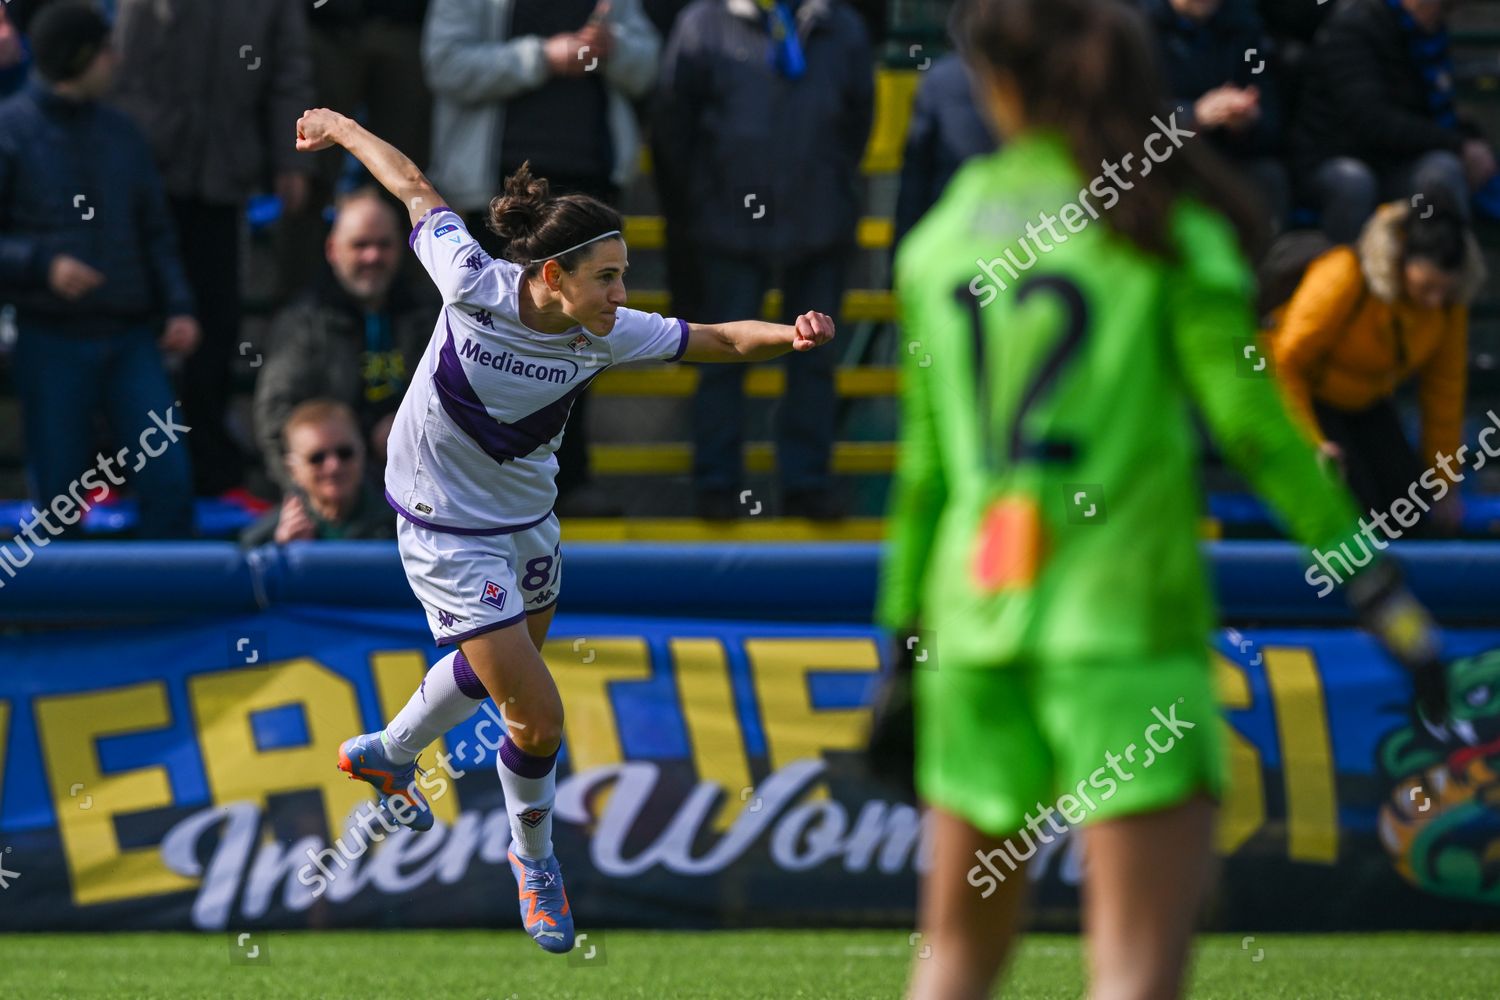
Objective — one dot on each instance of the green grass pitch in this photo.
(503, 965)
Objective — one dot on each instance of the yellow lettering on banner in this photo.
(397, 676)
(238, 771)
(1244, 809)
(69, 727)
(713, 726)
(1306, 757)
(584, 670)
(794, 729)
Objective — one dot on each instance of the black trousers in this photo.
(208, 237)
(1380, 465)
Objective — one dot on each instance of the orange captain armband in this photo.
(1009, 552)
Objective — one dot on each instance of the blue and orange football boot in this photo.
(544, 903)
(364, 757)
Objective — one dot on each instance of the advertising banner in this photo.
(183, 775)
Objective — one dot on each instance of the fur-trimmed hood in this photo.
(1379, 249)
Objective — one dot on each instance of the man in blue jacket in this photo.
(88, 257)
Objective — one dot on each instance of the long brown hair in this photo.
(1087, 68)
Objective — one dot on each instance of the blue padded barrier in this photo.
(100, 581)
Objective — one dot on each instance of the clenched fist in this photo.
(812, 329)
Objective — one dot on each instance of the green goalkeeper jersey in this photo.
(1046, 502)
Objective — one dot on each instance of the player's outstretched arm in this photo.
(321, 128)
(753, 340)
(1213, 336)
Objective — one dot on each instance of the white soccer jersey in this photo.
(472, 448)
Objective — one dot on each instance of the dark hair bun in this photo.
(520, 210)
(537, 226)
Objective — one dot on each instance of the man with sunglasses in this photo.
(330, 498)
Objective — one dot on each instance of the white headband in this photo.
(601, 236)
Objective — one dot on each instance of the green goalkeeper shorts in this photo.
(1091, 740)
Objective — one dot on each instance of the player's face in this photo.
(326, 460)
(1428, 285)
(596, 290)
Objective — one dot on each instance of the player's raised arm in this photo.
(321, 128)
(753, 340)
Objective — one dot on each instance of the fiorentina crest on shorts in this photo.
(532, 816)
(494, 595)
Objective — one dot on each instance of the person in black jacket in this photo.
(366, 59)
(89, 259)
(946, 129)
(217, 88)
(1219, 69)
(356, 335)
(1377, 120)
(762, 141)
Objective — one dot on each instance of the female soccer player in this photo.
(471, 468)
(1044, 518)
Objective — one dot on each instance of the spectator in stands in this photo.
(1293, 21)
(1220, 73)
(1376, 118)
(506, 74)
(946, 129)
(355, 336)
(367, 61)
(15, 59)
(1367, 318)
(684, 276)
(218, 88)
(764, 137)
(89, 259)
(663, 14)
(330, 497)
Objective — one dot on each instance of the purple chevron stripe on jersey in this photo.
(500, 441)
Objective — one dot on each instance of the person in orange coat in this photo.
(1366, 318)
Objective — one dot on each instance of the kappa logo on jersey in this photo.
(475, 261)
(494, 595)
(442, 231)
(578, 343)
(483, 318)
(532, 816)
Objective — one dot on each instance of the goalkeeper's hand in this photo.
(1388, 609)
(890, 752)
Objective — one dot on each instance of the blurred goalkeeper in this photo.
(1066, 304)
